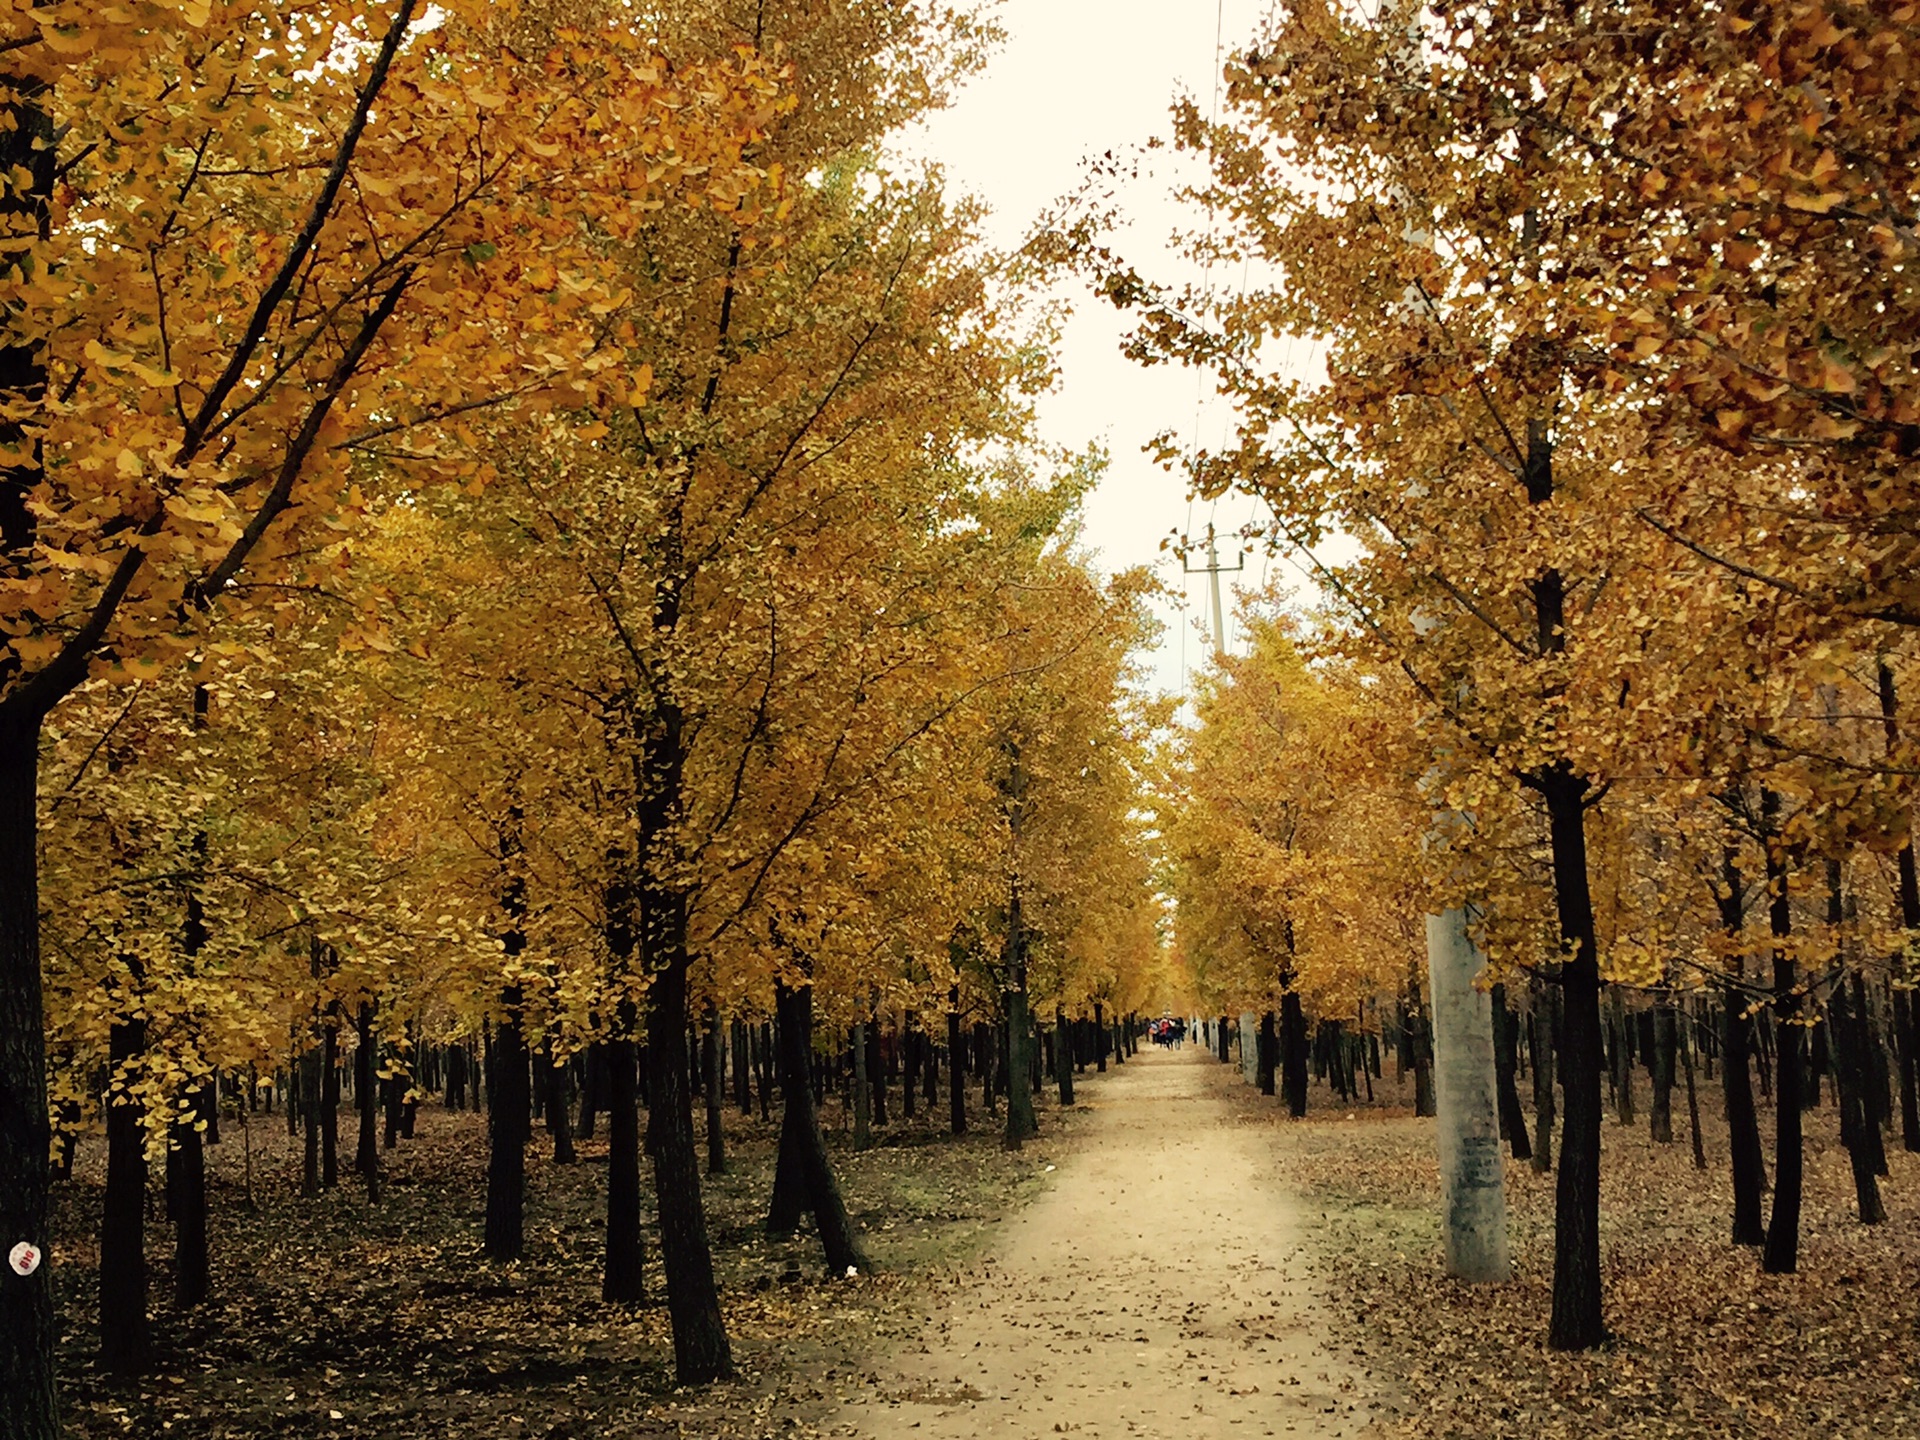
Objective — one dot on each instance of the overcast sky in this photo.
(1077, 78)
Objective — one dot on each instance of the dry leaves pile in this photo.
(1704, 1343)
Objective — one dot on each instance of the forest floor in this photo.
(1172, 1257)
(1703, 1344)
(335, 1318)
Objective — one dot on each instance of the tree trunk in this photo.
(557, 1078)
(956, 1072)
(1906, 1015)
(1420, 1036)
(1736, 1048)
(1513, 1119)
(737, 1034)
(1546, 997)
(366, 1154)
(1860, 1128)
(1269, 1053)
(28, 1408)
(714, 1062)
(764, 1058)
(623, 1281)
(1063, 1057)
(1660, 1119)
(126, 1340)
(1622, 1073)
(192, 1278)
(1693, 1094)
(1293, 1055)
(804, 1145)
(509, 1128)
(909, 1065)
(862, 1090)
(1781, 1255)
(330, 1104)
(1578, 1320)
(310, 1088)
(701, 1352)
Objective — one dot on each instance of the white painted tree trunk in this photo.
(1472, 1171)
(1249, 1046)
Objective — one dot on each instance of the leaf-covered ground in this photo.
(335, 1318)
(1704, 1344)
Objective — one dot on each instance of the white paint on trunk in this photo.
(1249, 1046)
(1472, 1171)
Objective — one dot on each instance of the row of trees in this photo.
(1616, 314)
(516, 520)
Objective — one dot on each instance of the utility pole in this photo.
(1473, 1190)
(1213, 570)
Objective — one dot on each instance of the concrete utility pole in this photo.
(1473, 1179)
(1472, 1171)
(1213, 570)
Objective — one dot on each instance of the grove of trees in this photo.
(529, 574)
(526, 559)
(1613, 408)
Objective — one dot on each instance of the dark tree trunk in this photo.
(1781, 1255)
(28, 1408)
(509, 1128)
(742, 1066)
(623, 1282)
(1693, 1093)
(593, 1088)
(1859, 1127)
(956, 1072)
(804, 1147)
(1224, 1036)
(1906, 1014)
(1905, 1035)
(1100, 1039)
(558, 1082)
(1269, 1052)
(310, 1087)
(1546, 1003)
(859, 1051)
(366, 1154)
(763, 1050)
(714, 1063)
(126, 1340)
(909, 1065)
(876, 1071)
(187, 1196)
(456, 1096)
(701, 1352)
(1293, 1053)
(1662, 1065)
(1578, 1320)
(1420, 1037)
(393, 1090)
(1736, 1046)
(1063, 1057)
(330, 1104)
(1513, 1120)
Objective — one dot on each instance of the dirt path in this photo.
(1158, 1290)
